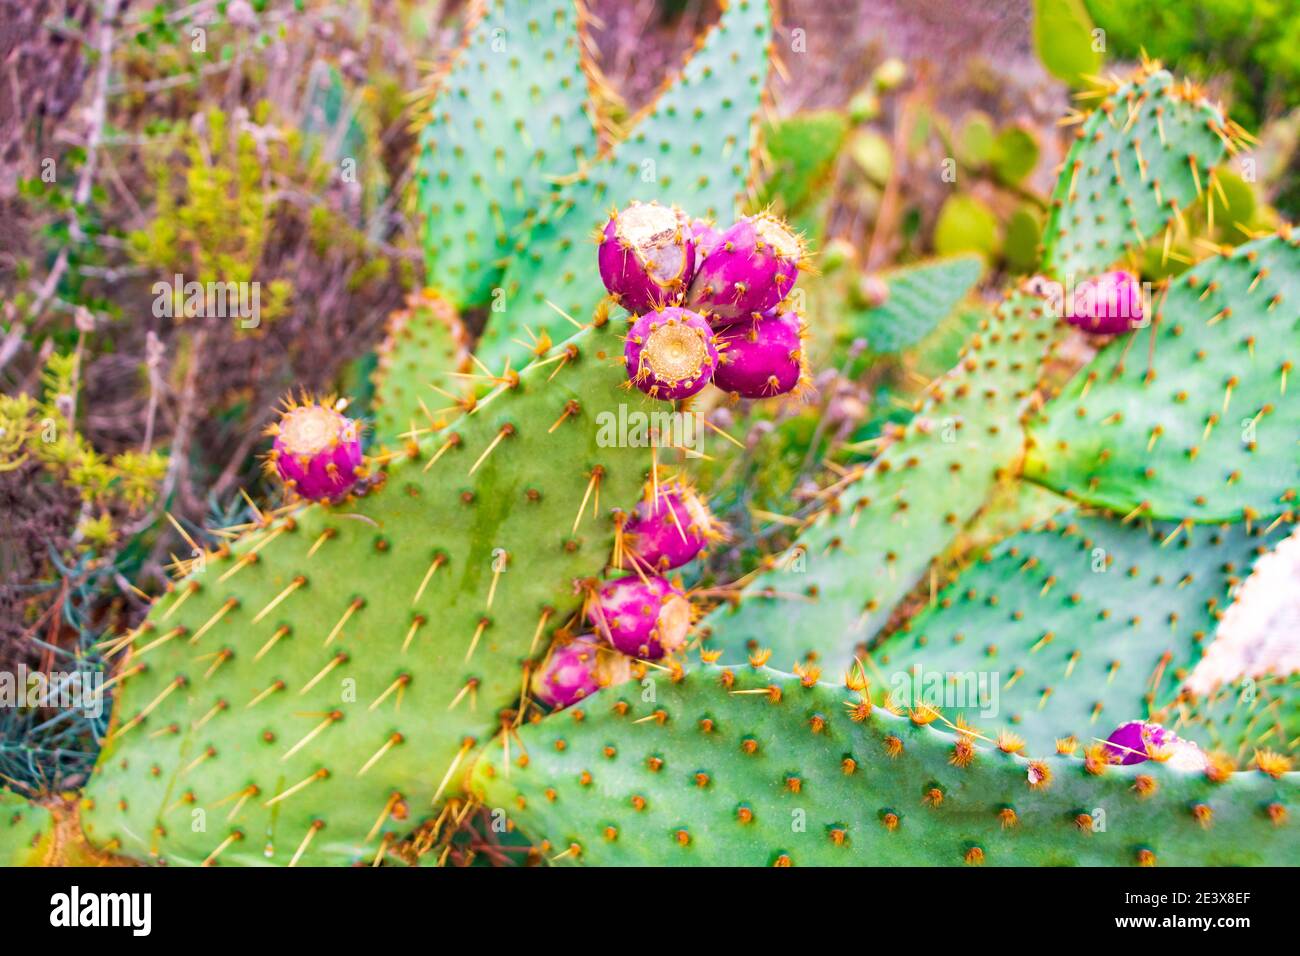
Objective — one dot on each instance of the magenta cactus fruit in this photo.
(317, 451)
(643, 617)
(670, 354)
(576, 670)
(751, 269)
(647, 257)
(761, 357)
(667, 531)
(706, 236)
(1138, 741)
(1107, 304)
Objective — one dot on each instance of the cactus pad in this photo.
(307, 693)
(1196, 418)
(1238, 719)
(920, 297)
(425, 342)
(509, 117)
(1071, 629)
(869, 547)
(755, 767)
(1142, 156)
(22, 827)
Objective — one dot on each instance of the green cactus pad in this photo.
(758, 768)
(848, 570)
(510, 117)
(1252, 714)
(693, 150)
(1071, 629)
(425, 343)
(22, 827)
(343, 660)
(920, 297)
(1142, 156)
(1196, 417)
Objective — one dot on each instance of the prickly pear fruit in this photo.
(670, 354)
(647, 257)
(706, 236)
(577, 670)
(762, 356)
(1107, 304)
(1138, 740)
(667, 531)
(753, 267)
(317, 451)
(641, 617)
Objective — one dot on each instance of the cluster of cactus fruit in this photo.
(484, 612)
(712, 306)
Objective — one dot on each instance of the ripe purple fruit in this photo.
(670, 354)
(1138, 741)
(706, 236)
(1107, 304)
(577, 669)
(751, 269)
(668, 531)
(317, 451)
(647, 257)
(761, 357)
(641, 617)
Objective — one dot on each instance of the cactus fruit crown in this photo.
(670, 353)
(675, 352)
(776, 238)
(653, 233)
(317, 449)
(308, 430)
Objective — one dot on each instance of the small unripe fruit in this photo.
(576, 670)
(1138, 741)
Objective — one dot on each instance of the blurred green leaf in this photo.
(802, 148)
(1063, 38)
(966, 225)
(1024, 230)
(1015, 154)
(976, 141)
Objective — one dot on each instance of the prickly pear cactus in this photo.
(1142, 157)
(1073, 628)
(749, 766)
(693, 149)
(876, 537)
(23, 826)
(917, 299)
(311, 692)
(1252, 714)
(508, 117)
(1196, 422)
(425, 348)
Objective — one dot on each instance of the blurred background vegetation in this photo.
(272, 141)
